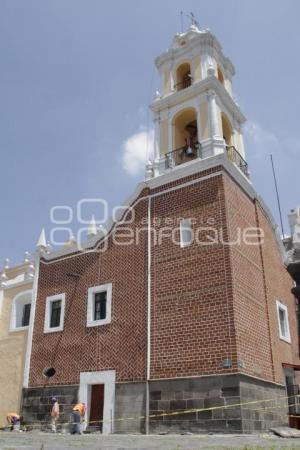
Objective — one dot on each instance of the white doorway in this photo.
(108, 379)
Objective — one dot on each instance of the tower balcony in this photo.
(181, 155)
(236, 158)
(188, 154)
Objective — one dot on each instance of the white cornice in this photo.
(22, 267)
(17, 284)
(196, 89)
(194, 40)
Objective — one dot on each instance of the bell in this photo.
(189, 151)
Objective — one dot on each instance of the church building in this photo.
(179, 317)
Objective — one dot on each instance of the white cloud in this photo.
(263, 141)
(136, 151)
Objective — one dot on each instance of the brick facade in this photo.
(259, 279)
(213, 307)
(78, 348)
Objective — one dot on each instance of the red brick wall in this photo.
(279, 284)
(192, 310)
(209, 303)
(120, 345)
(259, 279)
(250, 305)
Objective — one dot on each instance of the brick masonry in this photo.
(79, 348)
(213, 307)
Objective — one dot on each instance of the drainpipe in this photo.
(148, 316)
(32, 317)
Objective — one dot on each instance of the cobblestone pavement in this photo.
(44, 441)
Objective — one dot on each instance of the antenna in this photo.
(277, 195)
(181, 21)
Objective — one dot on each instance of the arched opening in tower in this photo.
(183, 76)
(185, 135)
(227, 130)
(228, 138)
(220, 75)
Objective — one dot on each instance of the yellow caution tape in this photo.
(186, 411)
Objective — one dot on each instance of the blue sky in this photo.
(76, 78)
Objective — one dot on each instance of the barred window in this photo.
(55, 314)
(100, 305)
(26, 315)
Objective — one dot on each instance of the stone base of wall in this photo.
(275, 411)
(174, 396)
(130, 403)
(36, 403)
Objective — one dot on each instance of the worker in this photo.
(54, 413)
(77, 417)
(14, 421)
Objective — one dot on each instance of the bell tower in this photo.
(195, 115)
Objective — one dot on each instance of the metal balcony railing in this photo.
(237, 159)
(185, 83)
(182, 155)
(186, 153)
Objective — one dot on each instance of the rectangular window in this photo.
(55, 314)
(26, 315)
(283, 322)
(99, 305)
(186, 233)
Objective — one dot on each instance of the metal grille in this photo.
(55, 314)
(100, 306)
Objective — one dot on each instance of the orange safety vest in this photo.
(55, 410)
(80, 408)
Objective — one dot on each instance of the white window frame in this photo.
(18, 299)
(49, 301)
(282, 307)
(184, 225)
(91, 305)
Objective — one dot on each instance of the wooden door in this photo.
(97, 404)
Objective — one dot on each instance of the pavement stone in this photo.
(47, 441)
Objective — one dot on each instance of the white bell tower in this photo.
(195, 116)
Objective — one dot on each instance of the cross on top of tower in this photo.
(192, 18)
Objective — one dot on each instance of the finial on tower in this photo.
(294, 222)
(27, 257)
(3, 279)
(30, 272)
(41, 243)
(157, 95)
(92, 229)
